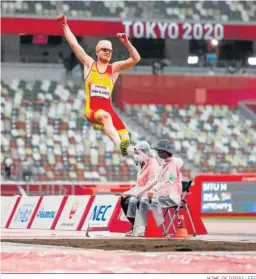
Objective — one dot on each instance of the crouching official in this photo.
(164, 191)
(148, 169)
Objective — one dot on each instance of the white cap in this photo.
(143, 146)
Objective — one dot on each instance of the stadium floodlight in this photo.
(192, 59)
(214, 42)
(252, 61)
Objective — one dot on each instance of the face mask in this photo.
(138, 158)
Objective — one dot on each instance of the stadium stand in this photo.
(252, 107)
(202, 134)
(172, 10)
(43, 122)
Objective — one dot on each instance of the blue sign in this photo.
(233, 197)
(24, 215)
(45, 214)
(99, 212)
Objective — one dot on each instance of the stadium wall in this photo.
(181, 89)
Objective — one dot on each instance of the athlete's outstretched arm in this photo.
(73, 43)
(130, 62)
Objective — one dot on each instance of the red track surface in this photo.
(97, 261)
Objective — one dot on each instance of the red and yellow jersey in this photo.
(98, 90)
(98, 85)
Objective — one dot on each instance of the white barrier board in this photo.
(47, 212)
(72, 212)
(101, 211)
(7, 204)
(23, 212)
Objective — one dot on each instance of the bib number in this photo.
(100, 91)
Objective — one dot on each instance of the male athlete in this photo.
(99, 79)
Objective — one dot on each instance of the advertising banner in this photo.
(47, 212)
(7, 204)
(24, 212)
(72, 212)
(101, 211)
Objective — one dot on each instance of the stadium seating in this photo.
(172, 10)
(212, 138)
(43, 124)
(252, 107)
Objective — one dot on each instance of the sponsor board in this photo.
(47, 212)
(7, 204)
(101, 211)
(23, 212)
(72, 212)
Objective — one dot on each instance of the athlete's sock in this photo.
(98, 127)
(124, 146)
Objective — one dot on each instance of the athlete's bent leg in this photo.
(120, 127)
(90, 116)
(123, 134)
(105, 119)
(125, 141)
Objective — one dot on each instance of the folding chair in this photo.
(182, 205)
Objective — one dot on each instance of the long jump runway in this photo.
(65, 251)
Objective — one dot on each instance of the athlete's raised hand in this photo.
(122, 38)
(62, 19)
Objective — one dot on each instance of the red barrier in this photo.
(85, 214)
(34, 213)
(56, 219)
(233, 96)
(116, 224)
(13, 212)
(151, 89)
(62, 188)
(152, 230)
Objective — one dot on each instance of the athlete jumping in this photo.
(99, 79)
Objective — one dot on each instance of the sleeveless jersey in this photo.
(98, 85)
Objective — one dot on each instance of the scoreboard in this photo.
(223, 196)
(226, 194)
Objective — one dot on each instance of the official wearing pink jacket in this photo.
(164, 191)
(148, 170)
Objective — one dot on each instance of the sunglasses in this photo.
(106, 50)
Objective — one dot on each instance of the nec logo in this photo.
(99, 212)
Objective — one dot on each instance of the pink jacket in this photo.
(168, 181)
(146, 175)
